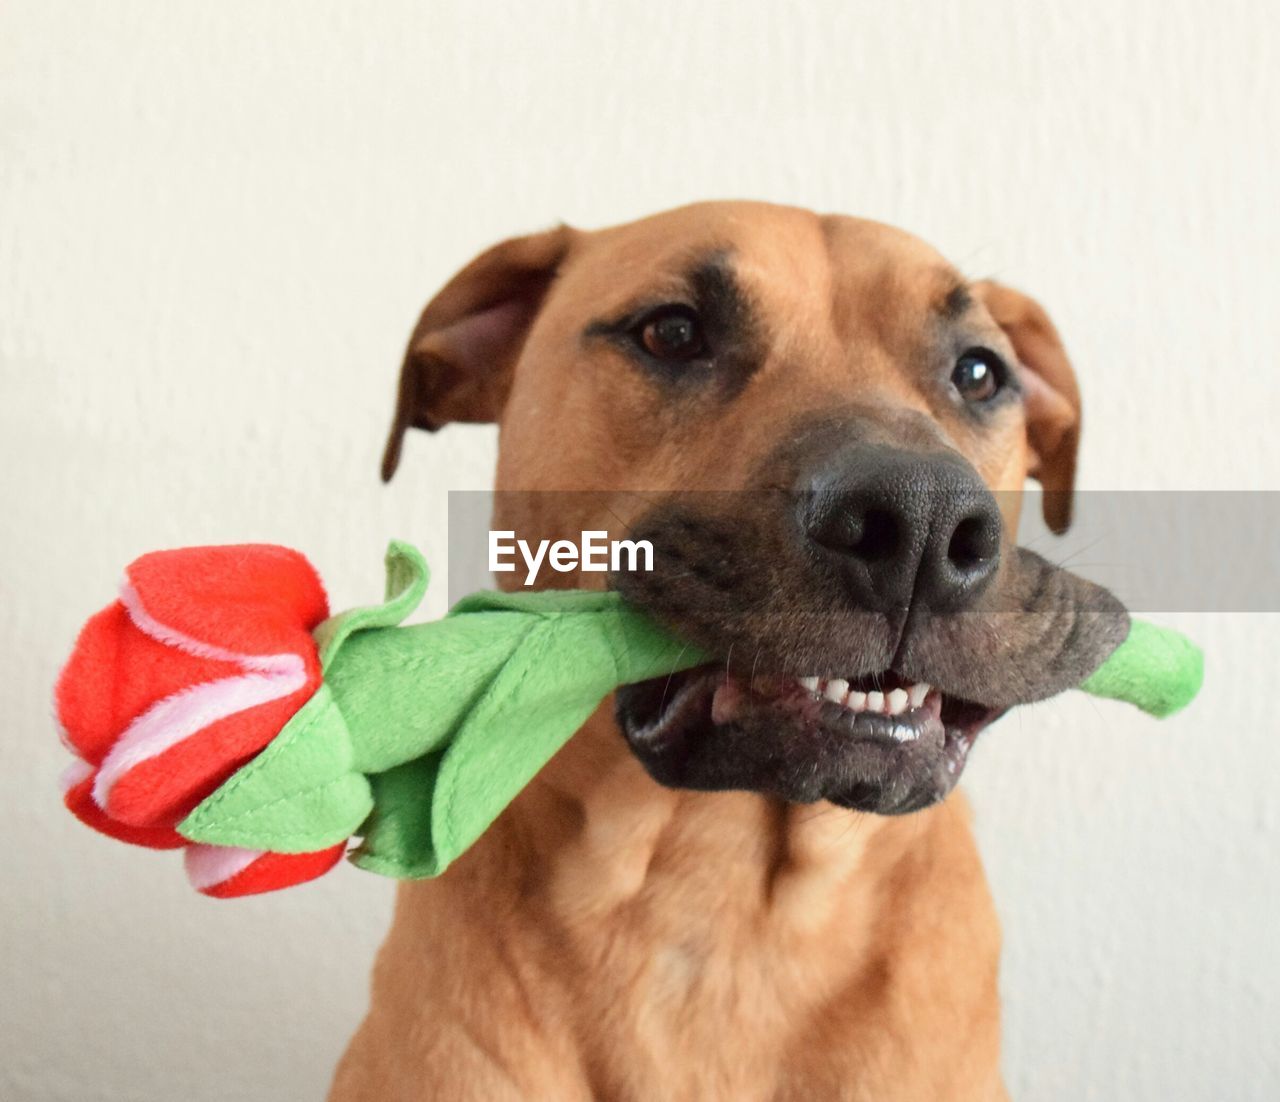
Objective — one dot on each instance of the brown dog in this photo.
(709, 894)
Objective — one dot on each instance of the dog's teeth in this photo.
(837, 690)
(892, 703)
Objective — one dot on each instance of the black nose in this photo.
(904, 528)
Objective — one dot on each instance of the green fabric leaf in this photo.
(397, 836)
(513, 676)
(299, 795)
(407, 578)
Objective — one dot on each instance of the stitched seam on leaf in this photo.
(235, 816)
(541, 646)
(273, 749)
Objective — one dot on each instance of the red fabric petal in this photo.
(79, 801)
(166, 658)
(273, 871)
(163, 790)
(250, 598)
(116, 673)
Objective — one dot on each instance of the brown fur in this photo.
(610, 938)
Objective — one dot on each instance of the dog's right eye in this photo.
(979, 375)
(672, 334)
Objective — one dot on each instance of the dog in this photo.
(752, 881)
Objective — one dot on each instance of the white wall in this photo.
(217, 222)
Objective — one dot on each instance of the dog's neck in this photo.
(595, 833)
(693, 944)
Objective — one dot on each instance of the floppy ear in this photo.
(1050, 395)
(458, 364)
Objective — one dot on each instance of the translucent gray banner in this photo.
(1158, 551)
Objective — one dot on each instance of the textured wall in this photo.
(217, 223)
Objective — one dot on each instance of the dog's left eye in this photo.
(673, 334)
(979, 375)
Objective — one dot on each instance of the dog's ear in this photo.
(458, 364)
(1050, 395)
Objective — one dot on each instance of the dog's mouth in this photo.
(854, 666)
(876, 742)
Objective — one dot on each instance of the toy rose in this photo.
(206, 655)
(215, 707)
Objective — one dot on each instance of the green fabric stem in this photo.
(420, 736)
(1157, 669)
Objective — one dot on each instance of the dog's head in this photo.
(824, 431)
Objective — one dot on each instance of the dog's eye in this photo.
(672, 333)
(979, 375)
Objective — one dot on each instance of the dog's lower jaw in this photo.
(613, 938)
(894, 751)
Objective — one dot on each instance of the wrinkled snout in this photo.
(904, 529)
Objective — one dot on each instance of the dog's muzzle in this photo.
(870, 622)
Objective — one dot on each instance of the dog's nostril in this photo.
(974, 543)
(877, 536)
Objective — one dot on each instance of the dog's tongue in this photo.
(727, 701)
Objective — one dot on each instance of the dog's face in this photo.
(823, 430)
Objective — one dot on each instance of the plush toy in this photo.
(214, 708)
